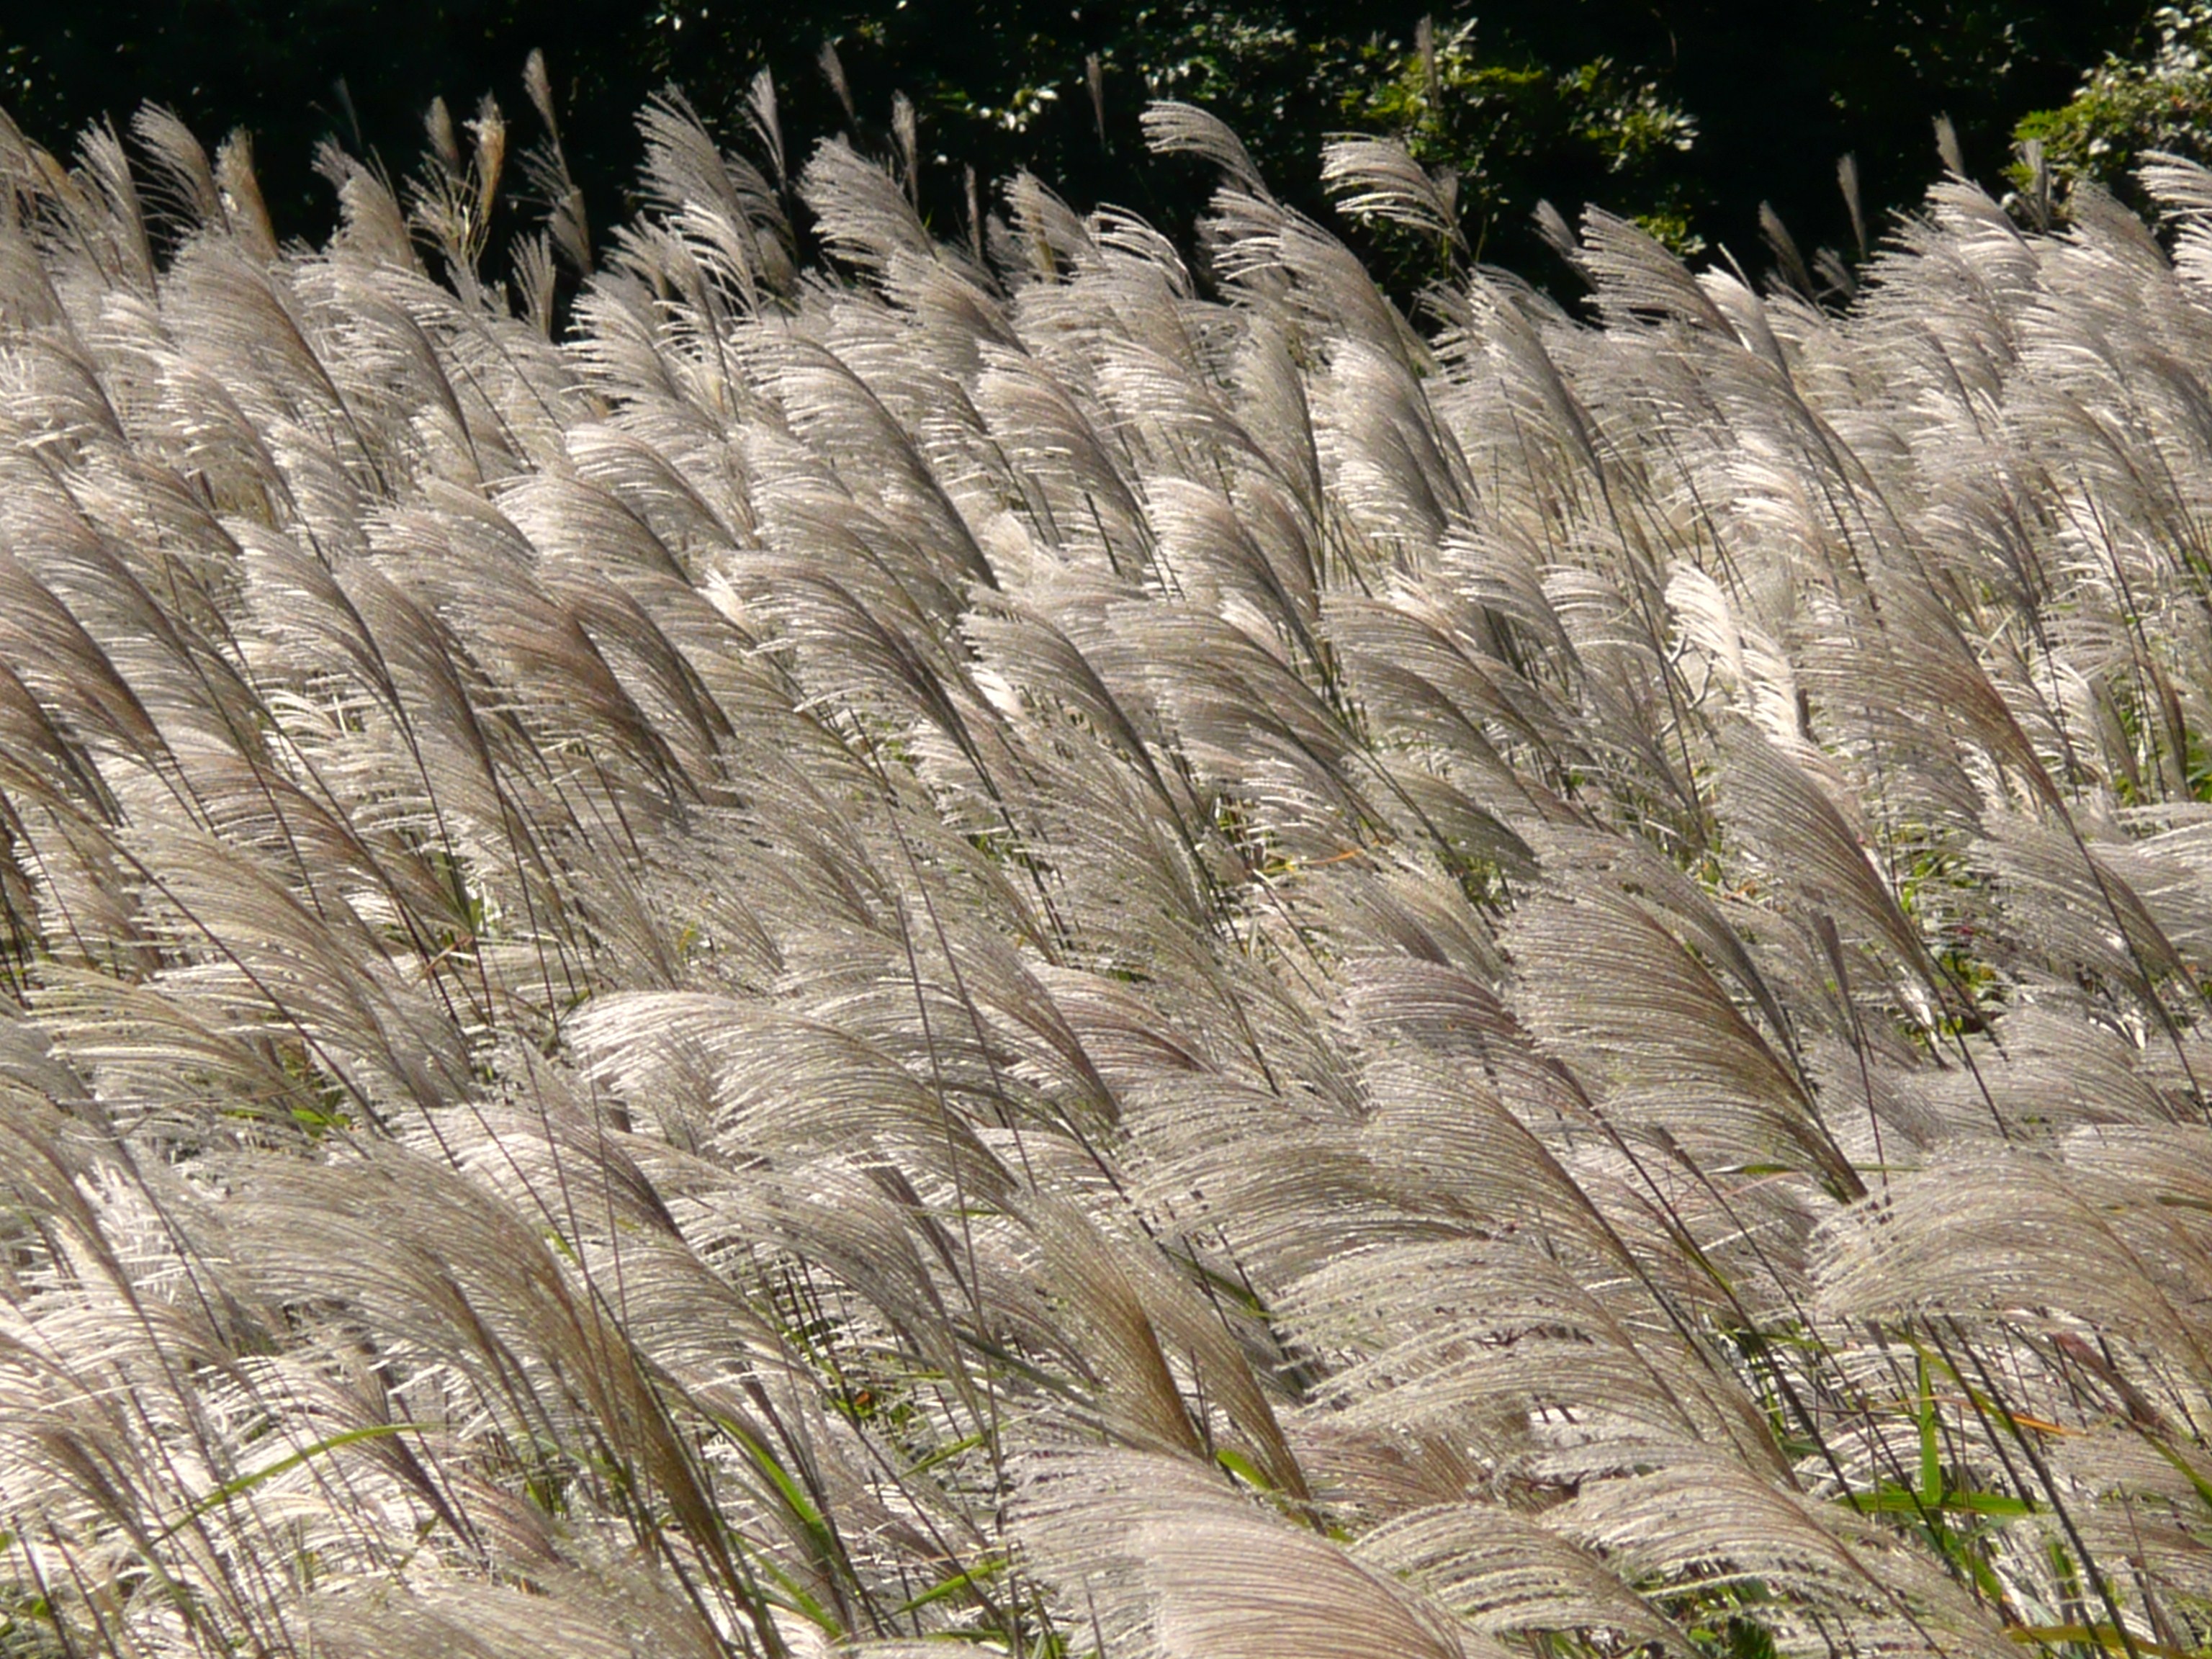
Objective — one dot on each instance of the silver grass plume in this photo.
(988, 943)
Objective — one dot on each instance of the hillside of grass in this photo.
(1055, 944)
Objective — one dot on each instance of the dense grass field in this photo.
(1078, 947)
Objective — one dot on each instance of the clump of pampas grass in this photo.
(1020, 942)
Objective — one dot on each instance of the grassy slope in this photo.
(1044, 953)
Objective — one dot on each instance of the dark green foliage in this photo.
(1685, 114)
(2156, 97)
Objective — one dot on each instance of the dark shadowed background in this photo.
(1687, 113)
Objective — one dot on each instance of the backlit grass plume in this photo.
(1027, 941)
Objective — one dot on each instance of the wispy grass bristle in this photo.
(850, 941)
